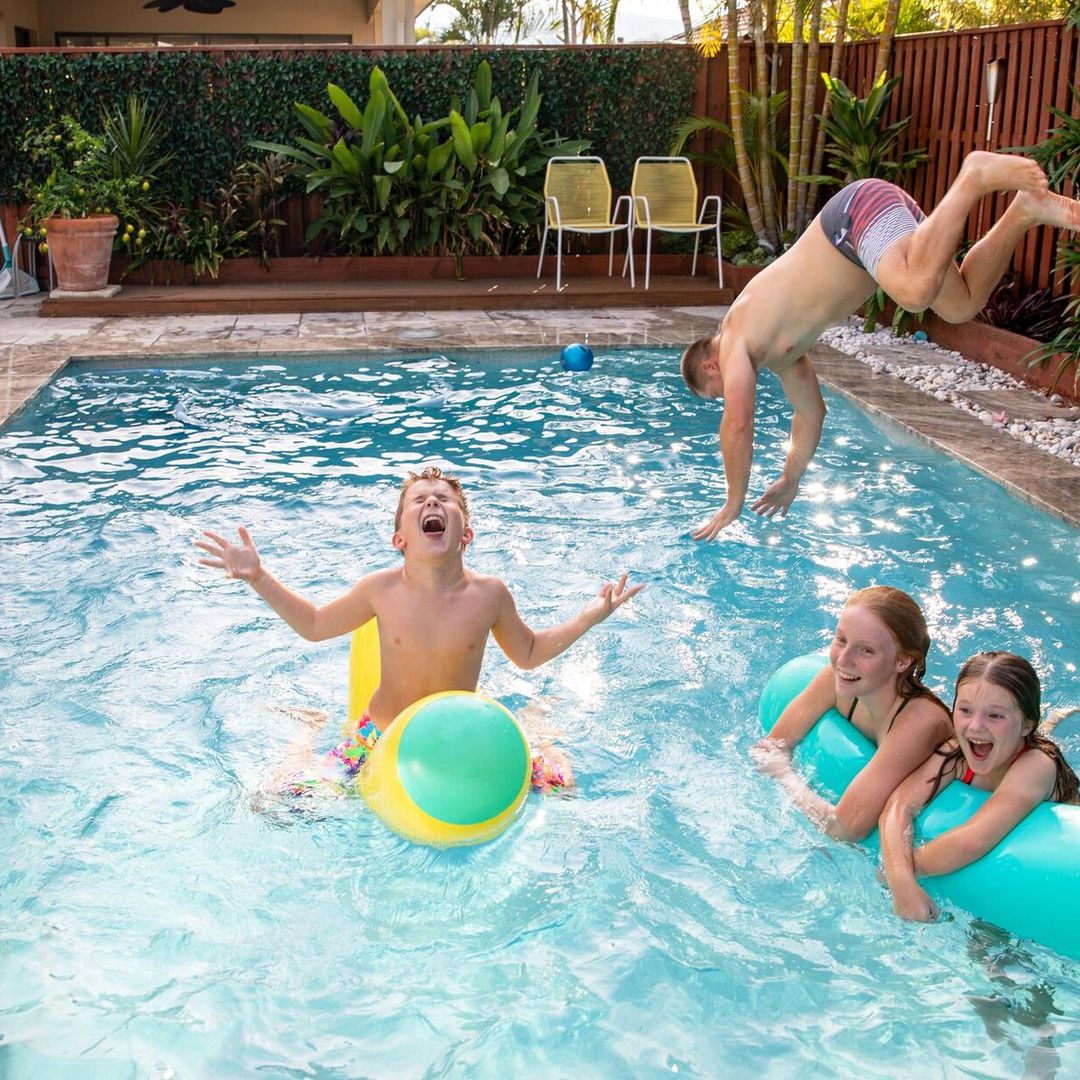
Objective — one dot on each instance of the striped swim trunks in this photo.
(863, 220)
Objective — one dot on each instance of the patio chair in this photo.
(665, 198)
(15, 282)
(577, 198)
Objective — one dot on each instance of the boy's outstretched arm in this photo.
(313, 623)
(530, 648)
(736, 438)
(804, 392)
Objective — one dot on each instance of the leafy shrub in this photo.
(458, 185)
(1037, 314)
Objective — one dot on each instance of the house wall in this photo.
(17, 13)
(388, 19)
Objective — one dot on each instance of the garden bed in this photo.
(1001, 349)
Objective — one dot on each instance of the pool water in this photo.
(676, 917)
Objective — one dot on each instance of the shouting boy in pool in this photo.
(434, 615)
(869, 234)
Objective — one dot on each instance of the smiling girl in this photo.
(874, 678)
(998, 748)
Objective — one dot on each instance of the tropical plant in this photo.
(457, 185)
(131, 140)
(1059, 155)
(859, 144)
(488, 21)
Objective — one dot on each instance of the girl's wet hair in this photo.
(904, 620)
(1020, 681)
(432, 472)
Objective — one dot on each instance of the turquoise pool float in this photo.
(1029, 884)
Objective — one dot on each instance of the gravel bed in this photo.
(950, 377)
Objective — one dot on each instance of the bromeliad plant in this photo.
(463, 184)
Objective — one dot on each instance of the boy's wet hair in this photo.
(432, 472)
(690, 365)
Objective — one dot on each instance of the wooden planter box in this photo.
(336, 268)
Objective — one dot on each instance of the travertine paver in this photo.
(32, 350)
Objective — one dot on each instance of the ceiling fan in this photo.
(200, 7)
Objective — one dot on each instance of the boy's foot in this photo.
(1002, 172)
(1048, 208)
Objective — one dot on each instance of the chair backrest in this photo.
(669, 185)
(582, 187)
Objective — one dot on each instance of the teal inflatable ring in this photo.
(1029, 884)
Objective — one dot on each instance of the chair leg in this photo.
(543, 244)
(611, 255)
(648, 257)
(719, 254)
(558, 261)
(693, 265)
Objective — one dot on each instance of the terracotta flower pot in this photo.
(81, 249)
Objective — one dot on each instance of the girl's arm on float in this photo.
(310, 622)
(896, 831)
(1029, 781)
(901, 752)
(802, 713)
(776, 762)
(528, 648)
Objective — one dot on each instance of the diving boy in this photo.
(434, 615)
(869, 234)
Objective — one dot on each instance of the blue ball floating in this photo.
(920, 335)
(577, 357)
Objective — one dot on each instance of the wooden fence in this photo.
(943, 91)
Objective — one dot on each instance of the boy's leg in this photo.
(914, 270)
(964, 291)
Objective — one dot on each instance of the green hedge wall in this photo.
(625, 99)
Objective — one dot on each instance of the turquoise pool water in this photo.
(676, 918)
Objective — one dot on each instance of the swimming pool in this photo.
(676, 917)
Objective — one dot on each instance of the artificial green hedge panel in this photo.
(624, 100)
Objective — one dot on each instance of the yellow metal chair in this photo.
(577, 198)
(665, 198)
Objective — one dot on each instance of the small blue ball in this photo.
(577, 357)
(920, 335)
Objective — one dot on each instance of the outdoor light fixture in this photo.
(994, 70)
(200, 7)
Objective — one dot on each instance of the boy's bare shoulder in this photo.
(490, 589)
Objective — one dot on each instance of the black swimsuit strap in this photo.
(851, 711)
(903, 705)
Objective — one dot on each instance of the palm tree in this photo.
(688, 26)
(483, 21)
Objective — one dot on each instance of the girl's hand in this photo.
(237, 560)
(772, 757)
(915, 904)
(610, 598)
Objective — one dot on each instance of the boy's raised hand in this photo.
(610, 598)
(237, 560)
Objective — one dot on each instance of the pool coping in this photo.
(33, 351)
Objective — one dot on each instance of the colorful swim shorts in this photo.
(863, 220)
(351, 754)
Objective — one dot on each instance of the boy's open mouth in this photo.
(980, 751)
(433, 524)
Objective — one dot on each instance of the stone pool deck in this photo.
(33, 349)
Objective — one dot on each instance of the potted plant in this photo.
(77, 209)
